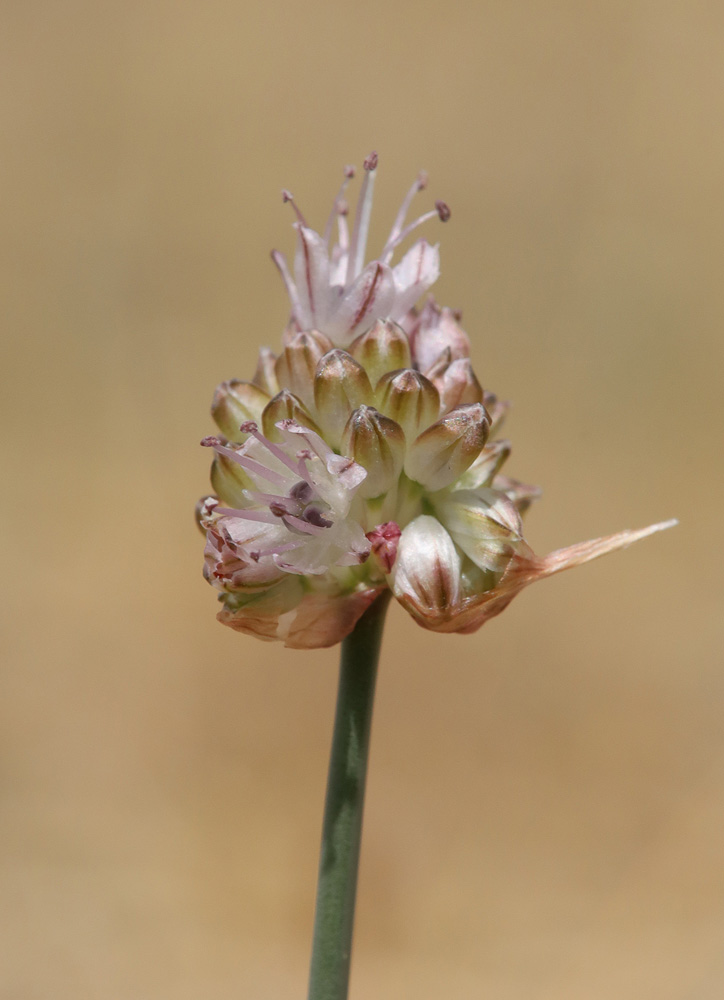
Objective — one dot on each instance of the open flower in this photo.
(333, 290)
(365, 456)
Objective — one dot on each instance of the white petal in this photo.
(416, 272)
(370, 298)
(311, 273)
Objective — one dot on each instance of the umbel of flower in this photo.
(366, 456)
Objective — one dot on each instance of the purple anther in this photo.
(313, 515)
(302, 492)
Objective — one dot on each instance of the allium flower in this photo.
(332, 290)
(365, 456)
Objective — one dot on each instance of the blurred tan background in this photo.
(546, 799)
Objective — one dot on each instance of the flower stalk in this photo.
(343, 808)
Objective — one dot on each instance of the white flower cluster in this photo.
(364, 455)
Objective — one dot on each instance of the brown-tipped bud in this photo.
(378, 444)
(485, 524)
(234, 403)
(384, 348)
(296, 365)
(435, 330)
(497, 411)
(520, 494)
(426, 575)
(458, 385)
(285, 406)
(265, 376)
(485, 467)
(340, 386)
(409, 398)
(230, 480)
(444, 451)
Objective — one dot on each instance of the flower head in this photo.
(365, 455)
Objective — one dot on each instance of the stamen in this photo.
(362, 220)
(342, 227)
(349, 173)
(419, 185)
(320, 447)
(247, 463)
(281, 262)
(287, 196)
(275, 503)
(250, 427)
(265, 516)
(299, 526)
(258, 554)
(441, 210)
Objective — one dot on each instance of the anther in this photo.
(442, 210)
(313, 515)
(287, 196)
(249, 427)
(302, 492)
(422, 180)
(339, 209)
(210, 441)
(371, 161)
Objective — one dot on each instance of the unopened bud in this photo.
(426, 576)
(296, 365)
(285, 406)
(384, 348)
(444, 451)
(437, 330)
(378, 444)
(265, 376)
(234, 403)
(520, 494)
(340, 386)
(230, 480)
(497, 410)
(484, 524)
(458, 385)
(410, 399)
(485, 467)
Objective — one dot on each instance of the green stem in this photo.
(342, 827)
